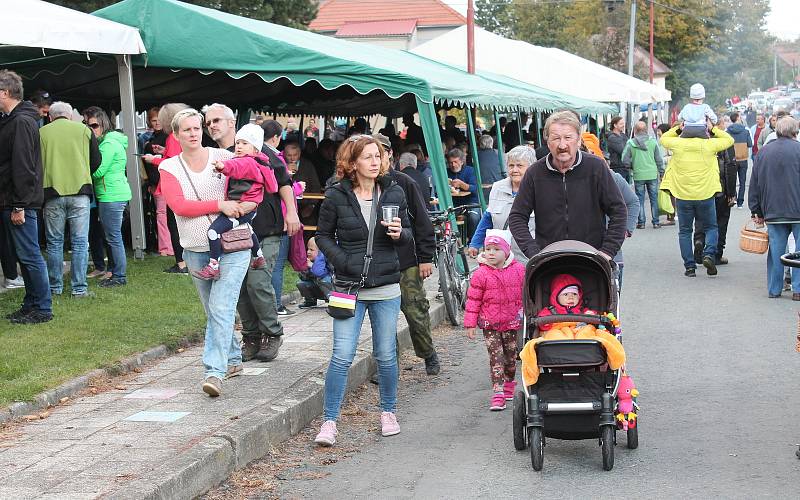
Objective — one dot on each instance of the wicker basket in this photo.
(753, 239)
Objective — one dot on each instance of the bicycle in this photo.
(451, 261)
(793, 260)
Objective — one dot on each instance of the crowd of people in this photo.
(230, 206)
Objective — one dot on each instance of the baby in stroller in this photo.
(566, 297)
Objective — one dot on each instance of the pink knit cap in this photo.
(499, 237)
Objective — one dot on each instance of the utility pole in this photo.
(470, 37)
(631, 37)
(652, 7)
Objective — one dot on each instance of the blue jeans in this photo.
(277, 271)
(706, 213)
(34, 269)
(741, 166)
(219, 298)
(111, 218)
(652, 193)
(778, 239)
(383, 316)
(57, 213)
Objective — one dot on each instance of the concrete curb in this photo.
(73, 387)
(252, 436)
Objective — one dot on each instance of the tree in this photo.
(494, 16)
(292, 13)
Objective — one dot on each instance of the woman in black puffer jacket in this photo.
(342, 236)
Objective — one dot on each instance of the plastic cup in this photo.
(390, 212)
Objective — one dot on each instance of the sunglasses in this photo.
(358, 137)
(215, 121)
(92, 125)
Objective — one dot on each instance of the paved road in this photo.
(715, 363)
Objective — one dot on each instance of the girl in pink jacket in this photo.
(494, 303)
(248, 176)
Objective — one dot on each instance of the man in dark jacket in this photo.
(571, 195)
(774, 198)
(21, 195)
(257, 305)
(615, 142)
(416, 262)
(742, 143)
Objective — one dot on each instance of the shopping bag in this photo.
(665, 203)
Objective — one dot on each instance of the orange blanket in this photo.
(566, 331)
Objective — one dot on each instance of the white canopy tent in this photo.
(549, 68)
(42, 25)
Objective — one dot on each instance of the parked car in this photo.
(782, 103)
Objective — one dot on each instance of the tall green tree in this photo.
(292, 13)
(494, 16)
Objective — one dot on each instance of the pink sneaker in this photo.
(508, 390)
(327, 434)
(389, 425)
(259, 262)
(498, 402)
(208, 273)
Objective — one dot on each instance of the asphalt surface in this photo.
(713, 358)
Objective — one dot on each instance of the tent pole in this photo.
(125, 72)
(539, 128)
(500, 146)
(476, 164)
(430, 129)
(519, 126)
(242, 117)
(301, 133)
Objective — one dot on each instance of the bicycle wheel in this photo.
(447, 285)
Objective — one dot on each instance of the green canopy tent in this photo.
(199, 55)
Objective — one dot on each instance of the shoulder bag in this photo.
(343, 297)
(234, 240)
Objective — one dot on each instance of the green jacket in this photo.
(110, 179)
(643, 156)
(69, 153)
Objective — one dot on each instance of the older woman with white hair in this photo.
(570, 193)
(501, 198)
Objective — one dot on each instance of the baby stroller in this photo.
(575, 395)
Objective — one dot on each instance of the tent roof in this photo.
(548, 68)
(43, 25)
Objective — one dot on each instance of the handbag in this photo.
(298, 257)
(343, 297)
(753, 240)
(235, 240)
(665, 203)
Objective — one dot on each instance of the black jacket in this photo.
(572, 206)
(20, 159)
(616, 146)
(342, 234)
(420, 250)
(728, 172)
(269, 218)
(775, 181)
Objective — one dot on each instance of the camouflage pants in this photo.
(415, 307)
(502, 347)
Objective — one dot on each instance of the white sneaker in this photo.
(16, 283)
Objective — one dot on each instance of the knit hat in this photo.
(499, 237)
(570, 289)
(697, 91)
(252, 134)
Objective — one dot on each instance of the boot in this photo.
(251, 344)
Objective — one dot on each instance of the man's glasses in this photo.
(215, 121)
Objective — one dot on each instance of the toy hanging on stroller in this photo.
(572, 376)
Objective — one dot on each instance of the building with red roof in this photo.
(399, 24)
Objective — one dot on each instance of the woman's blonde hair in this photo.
(349, 152)
(181, 115)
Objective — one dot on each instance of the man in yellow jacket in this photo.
(692, 177)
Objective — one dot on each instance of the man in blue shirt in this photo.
(464, 187)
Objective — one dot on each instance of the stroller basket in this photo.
(570, 353)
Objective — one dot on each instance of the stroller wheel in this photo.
(607, 444)
(536, 442)
(633, 437)
(520, 420)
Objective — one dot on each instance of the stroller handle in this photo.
(791, 259)
(572, 318)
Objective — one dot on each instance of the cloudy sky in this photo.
(783, 21)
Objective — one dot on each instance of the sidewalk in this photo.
(156, 435)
